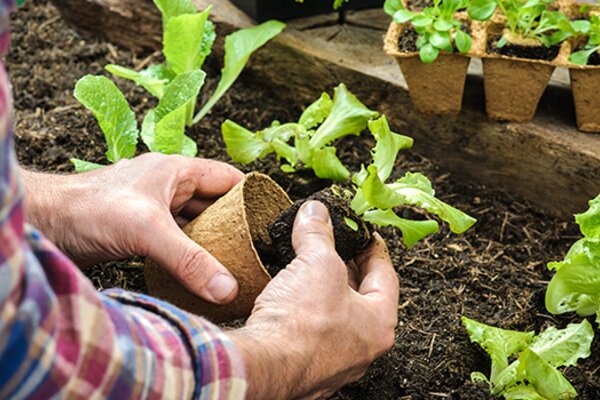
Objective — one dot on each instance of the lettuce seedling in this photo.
(305, 144)
(374, 200)
(592, 45)
(576, 285)
(527, 19)
(534, 372)
(437, 27)
(188, 37)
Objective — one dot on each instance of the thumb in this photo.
(194, 267)
(313, 231)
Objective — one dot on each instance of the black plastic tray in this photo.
(262, 10)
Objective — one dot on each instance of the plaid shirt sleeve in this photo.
(60, 338)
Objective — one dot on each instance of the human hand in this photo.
(318, 325)
(134, 207)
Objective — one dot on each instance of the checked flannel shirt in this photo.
(60, 338)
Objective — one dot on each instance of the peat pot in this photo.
(585, 84)
(435, 88)
(228, 229)
(262, 10)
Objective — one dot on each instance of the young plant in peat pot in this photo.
(249, 229)
(262, 10)
(521, 43)
(430, 47)
(584, 69)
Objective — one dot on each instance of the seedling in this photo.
(305, 144)
(372, 201)
(188, 37)
(576, 285)
(437, 27)
(534, 372)
(527, 21)
(592, 45)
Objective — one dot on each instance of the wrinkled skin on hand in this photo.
(136, 207)
(318, 325)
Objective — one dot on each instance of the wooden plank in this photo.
(546, 160)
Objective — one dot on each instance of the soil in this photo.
(407, 42)
(495, 273)
(348, 242)
(418, 5)
(528, 52)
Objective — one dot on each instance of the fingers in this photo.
(195, 207)
(312, 231)
(212, 178)
(378, 278)
(195, 268)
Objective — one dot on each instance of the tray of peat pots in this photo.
(262, 10)
(584, 68)
(520, 45)
(430, 43)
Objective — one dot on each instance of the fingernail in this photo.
(221, 286)
(314, 210)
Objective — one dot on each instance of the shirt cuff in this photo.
(218, 364)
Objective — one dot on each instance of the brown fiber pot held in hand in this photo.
(227, 229)
(435, 88)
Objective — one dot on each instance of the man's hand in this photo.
(136, 207)
(317, 326)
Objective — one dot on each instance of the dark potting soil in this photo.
(348, 242)
(418, 5)
(407, 42)
(528, 52)
(495, 273)
(594, 59)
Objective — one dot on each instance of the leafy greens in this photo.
(188, 38)
(533, 373)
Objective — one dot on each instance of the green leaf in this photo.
(387, 146)
(481, 10)
(392, 6)
(348, 117)
(173, 8)
(581, 26)
(413, 189)
(148, 129)
(316, 113)
(352, 224)
(421, 20)
(327, 165)
(285, 151)
(189, 148)
(183, 40)
(85, 166)
(441, 40)
(522, 392)
(442, 25)
(547, 381)
(412, 231)
(462, 41)
(402, 16)
(169, 132)
(208, 40)
(428, 53)
(580, 57)
(589, 221)
(239, 46)
(181, 91)
(153, 79)
(288, 169)
(242, 145)
(564, 347)
(575, 287)
(500, 344)
(102, 97)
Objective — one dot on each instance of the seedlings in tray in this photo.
(576, 284)
(533, 373)
(528, 23)
(305, 144)
(592, 46)
(188, 37)
(438, 27)
(372, 201)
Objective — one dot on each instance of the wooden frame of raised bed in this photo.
(547, 160)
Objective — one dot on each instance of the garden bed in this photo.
(495, 273)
